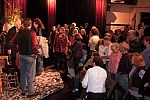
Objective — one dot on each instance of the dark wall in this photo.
(1, 14)
(1, 7)
(79, 11)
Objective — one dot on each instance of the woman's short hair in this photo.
(62, 29)
(138, 60)
(78, 36)
(94, 31)
(124, 46)
(114, 46)
(39, 22)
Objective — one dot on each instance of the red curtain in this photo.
(21, 4)
(51, 13)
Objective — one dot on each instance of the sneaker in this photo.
(75, 90)
(32, 95)
(69, 75)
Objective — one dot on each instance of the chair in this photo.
(10, 79)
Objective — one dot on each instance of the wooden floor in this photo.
(65, 93)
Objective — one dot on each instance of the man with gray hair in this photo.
(9, 36)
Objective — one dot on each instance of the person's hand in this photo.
(146, 85)
(66, 52)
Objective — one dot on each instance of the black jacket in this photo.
(9, 36)
(146, 79)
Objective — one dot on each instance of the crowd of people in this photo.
(123, 56)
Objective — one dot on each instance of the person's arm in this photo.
(145, 80)
(14, 40)
(85, 80)
(110, 63)
(90, 40)
(66, 43)
(34, 42)
(146, 77)
(105, 57)
(49, 38)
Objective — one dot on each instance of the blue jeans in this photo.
(140, 98)
(76, 81)
(27, 71)
(39, 64)
(146, 98)
(123, 81)
(83, 59)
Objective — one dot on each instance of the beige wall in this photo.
(127, 14)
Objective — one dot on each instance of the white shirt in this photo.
(94, 80)
(105, 51)
(93, 41)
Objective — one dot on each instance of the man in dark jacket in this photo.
(27, 48)
(145, 85)
(134, 43)
(9, 36)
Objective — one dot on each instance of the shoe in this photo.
(32, 95)
(69, 75)
(75, 90)
(23, 94)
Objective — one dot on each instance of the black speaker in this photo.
(131, 2)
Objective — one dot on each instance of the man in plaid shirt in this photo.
(60, 48)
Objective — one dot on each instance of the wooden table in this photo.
(3, 57)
